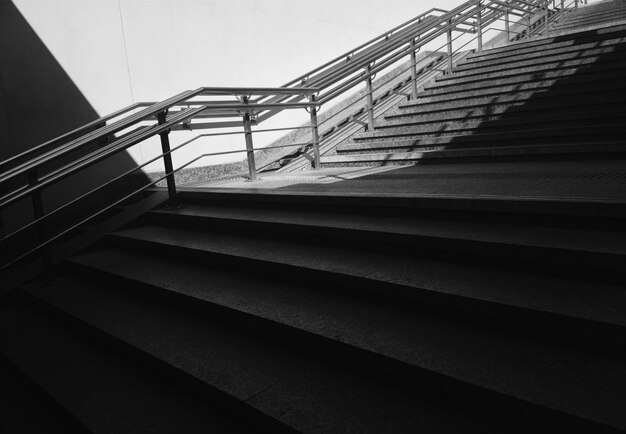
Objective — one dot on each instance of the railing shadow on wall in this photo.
(45, 168)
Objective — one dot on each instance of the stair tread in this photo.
(102, 389)
(515, 132)
(304, 393)
(498, 73)
(529, 60)
(516, 366)
(565, 46)
(488, 232)
(465, 280)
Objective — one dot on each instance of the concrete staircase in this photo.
(594, 15)
(560, 97)
(481, 294)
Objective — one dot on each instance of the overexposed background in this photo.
(122, 51)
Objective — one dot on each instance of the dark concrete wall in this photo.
(39, 101)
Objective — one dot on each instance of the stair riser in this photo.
(600, 65)
(520, 51)
(518, 136)
(537, 212)
(371, 363)
(599, 16)
(615, 59)
(551, 119)
(480, 82)
(485, 155)
(521, 83)
(424, 246)
(593, 21)
(487, 113)
(580, 37)
(608, 14)
(21, 390)
(220, 398)
(575, 52)
(570, 86)
(590, 24)
(537, 100)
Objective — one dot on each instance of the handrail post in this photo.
(449, 45)
(249, 145)
(414, 68)
(167, 162)
(562, 9)
(547, 19)
(507, 26)
(480, 27)
(38, 213)
(370, 100)
(575, 4)
(315, 137)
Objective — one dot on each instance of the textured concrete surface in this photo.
(308, 394)
(502, 286)
(104, 390)
(574, 179)
(483, 356)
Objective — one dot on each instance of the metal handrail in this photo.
(253, 105)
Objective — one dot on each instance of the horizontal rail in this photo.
(256, 104)
(93, 158)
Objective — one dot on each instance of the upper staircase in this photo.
(482, 292)
(557, 97)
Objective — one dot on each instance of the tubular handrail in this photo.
(78, 130)
(138, 117)
(256, 104)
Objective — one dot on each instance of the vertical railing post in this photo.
(38, 213)
(547, 19)
(247, 128)
(562, 9)
(480, 26)
(414, 68)
(315, 136)
(167, 162)
(449, 45)
(575, 4)
(507, 25)
(370, 99)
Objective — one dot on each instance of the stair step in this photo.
(497, 362)
(495, 112)
(560, 62)
(294, 387)
(26, 408)
(609, 14)
(385, 152)
(546, 49)
(522, 82)
(612, 46)
(606, 250)
(514, 136)
(579, 37)
(602, 24)
(545, 74)
(104, 390)
(364, 198)
(532, 119)
(536, 100)
(411, 145)
(568, 87)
